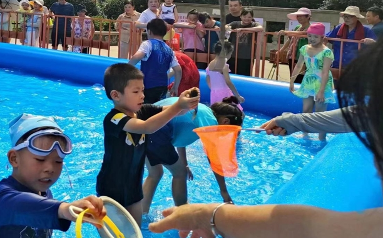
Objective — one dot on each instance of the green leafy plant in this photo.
(102, 25)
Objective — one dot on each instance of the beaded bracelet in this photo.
(212, 220)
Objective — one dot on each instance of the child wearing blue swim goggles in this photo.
(38, 150)
(62, 144)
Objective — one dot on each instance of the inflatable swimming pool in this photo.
(341, 177)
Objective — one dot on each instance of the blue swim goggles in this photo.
(33, 147)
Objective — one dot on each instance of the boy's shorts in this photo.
(160, 149)
(126, 188)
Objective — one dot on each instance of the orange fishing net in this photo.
(219, 144)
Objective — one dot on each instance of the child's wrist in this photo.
(63, 210)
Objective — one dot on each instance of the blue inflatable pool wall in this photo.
(341, 177)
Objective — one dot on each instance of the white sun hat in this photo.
(40, 2)
(301, 12)
(353, 11)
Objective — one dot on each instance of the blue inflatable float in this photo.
(341, 177)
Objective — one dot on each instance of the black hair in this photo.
(239, 1)
(246, 11)
(130, 2)
(229, 108)
(203, 16)
(228, 47)
(192, 12)
(117, 77)
(157, 27)
(376, 11)
(360, 85)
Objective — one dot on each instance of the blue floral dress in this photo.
(312, 80)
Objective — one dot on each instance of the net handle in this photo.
(81, 217)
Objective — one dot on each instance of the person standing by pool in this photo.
(374, 17)
(293, 43)
(83, 29)
(149, 14)
(240, 61)
(211, 37)
(33, 24)
(124, 26)
(317, 84)
(62, 25)
(125, 126)
(351, 29)
(235, 8)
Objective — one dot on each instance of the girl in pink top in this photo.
(192, 35)
(218, 77)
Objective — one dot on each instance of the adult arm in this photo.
(297, 69)
(142, 22)
(256, 28)
(293, 33)
(328, 121)
(271, 221)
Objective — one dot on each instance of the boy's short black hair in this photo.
(203, 16)
(117, 77)
(157, 27)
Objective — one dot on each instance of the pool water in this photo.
(265, 162)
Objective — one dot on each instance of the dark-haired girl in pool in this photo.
(179, 133)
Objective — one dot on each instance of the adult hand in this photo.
(368, 41)
(186, 218)
(272, 128)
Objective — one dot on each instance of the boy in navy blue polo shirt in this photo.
(156, 59)
(28, 209)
